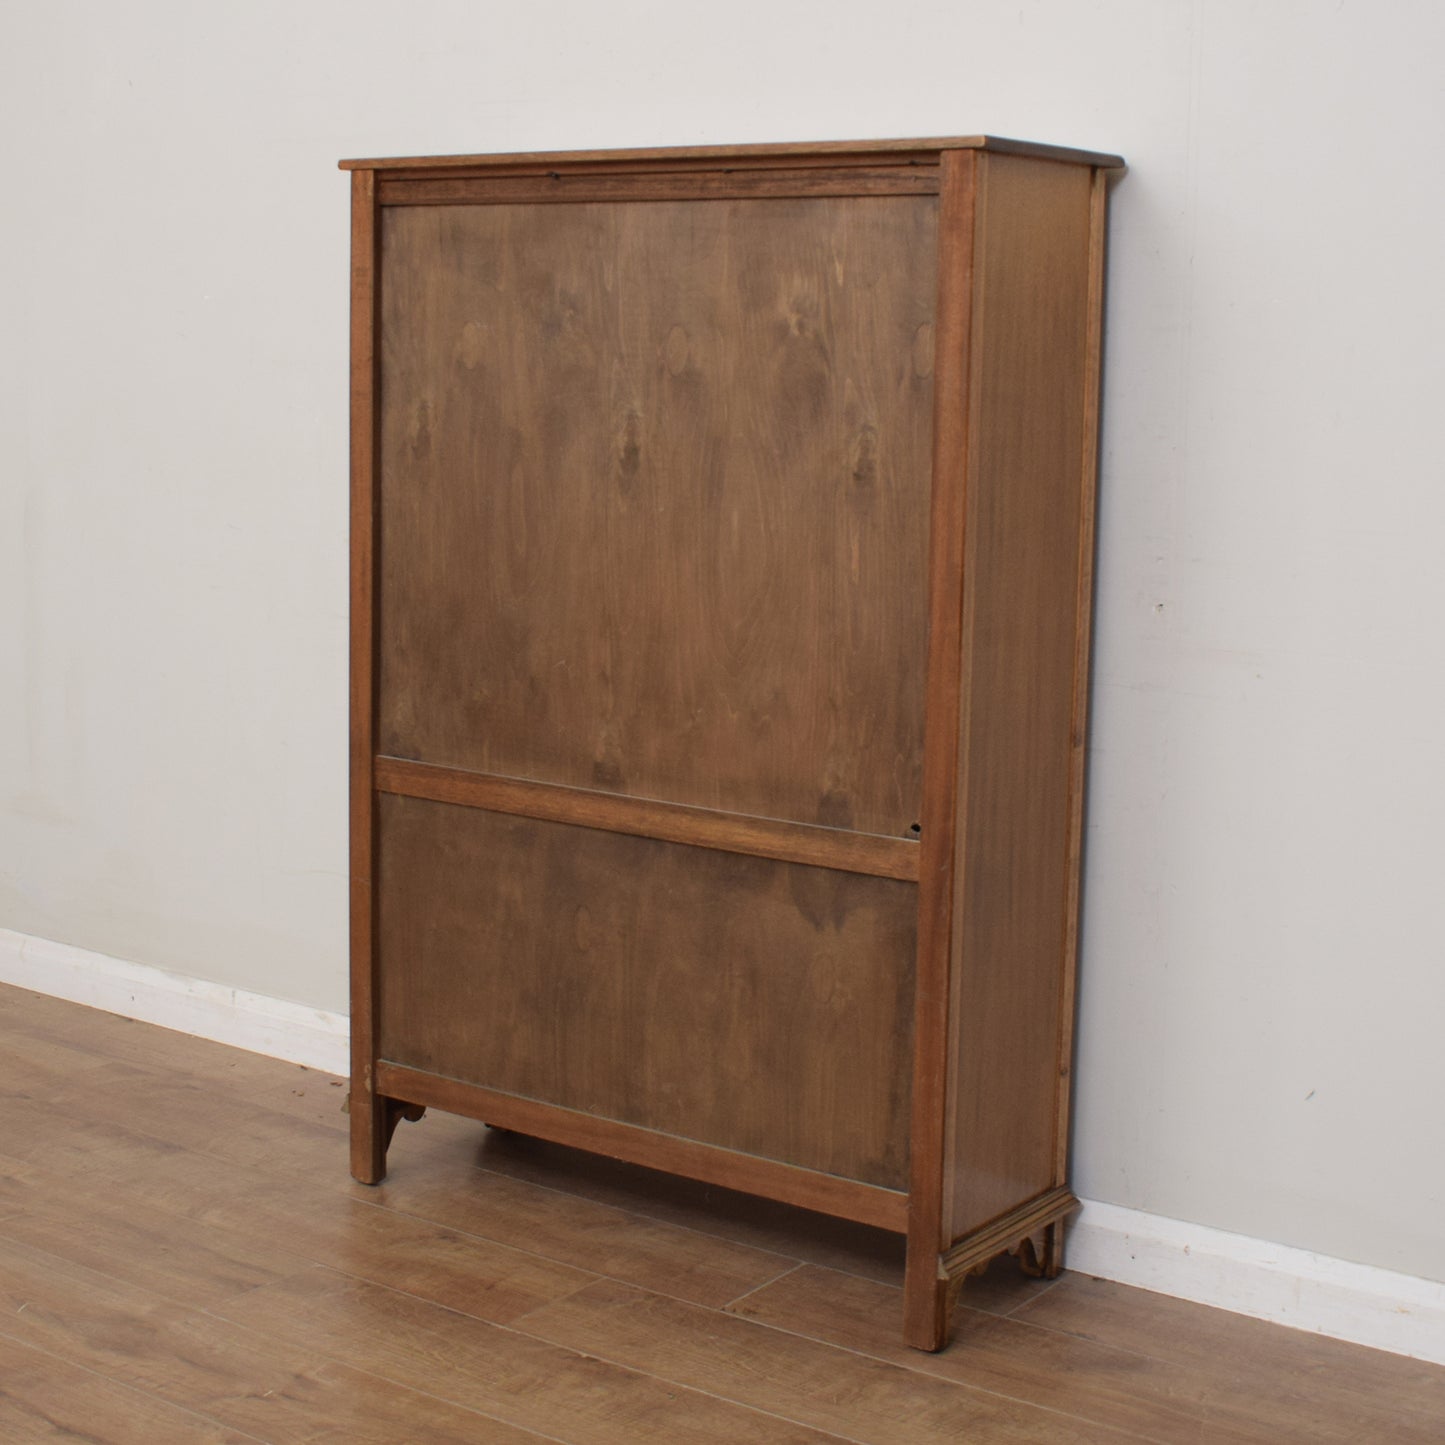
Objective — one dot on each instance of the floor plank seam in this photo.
(341, 1185)
(191, 1252)
(115, 1280)
(581, 1355)
(324, 1352)
(804, 1423)
(281, 1174)
(555, 1299)
(136, 1390)
(322, 1264)
(1089, 1339)
(660, 1219)
(965, 1385)
(546, 1259)
(1009, 1313)
(455, 1404)
(826, 1432)
(343, 1192)
(164, 1074)
(633, 1213)
(456, 1309)
(729, 1306)
(598, 1275)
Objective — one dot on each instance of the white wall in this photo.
(1262, 986)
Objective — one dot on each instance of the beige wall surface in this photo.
(1261, 973)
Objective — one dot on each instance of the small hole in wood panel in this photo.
(915, 828)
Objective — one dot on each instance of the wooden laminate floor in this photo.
(184, 1258)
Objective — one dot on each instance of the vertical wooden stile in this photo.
(925, 1293)
(368, 1136)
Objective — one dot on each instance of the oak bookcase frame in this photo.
(990, 869)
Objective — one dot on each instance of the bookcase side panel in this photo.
(1031, 343)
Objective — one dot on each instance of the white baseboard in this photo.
(1355, 1302)
(253, 1021)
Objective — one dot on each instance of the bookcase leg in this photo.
(369, 1136)
(1033, 1233)
(1043, 1257)
(929, 1296)
(1054, 1249)
(373, 1121)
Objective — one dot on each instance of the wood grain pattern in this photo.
(456, 1236)
(242, 1133)
(787, 153)
(792, 1377)
(402, 1349)
(805, 1188)
(1031, 347)
(700, 185)
(43, 1398)
(1289, 1384)
(505, 1374)
(1083, 632)
(113, 1231)
(457, 1188)
(653, 504)
(1107, 1384)
(193, 1238)
(368, 1148)
(257, 1384)
(679, 989)
(709, 621)
(438, 1229)
(647, 818)
(761, 1222)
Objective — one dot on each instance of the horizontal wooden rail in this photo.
(903, 180)
(1004, 1234)
(918, 151)
(870, 853)
(748, 1173)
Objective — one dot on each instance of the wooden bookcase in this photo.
(721, 549)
